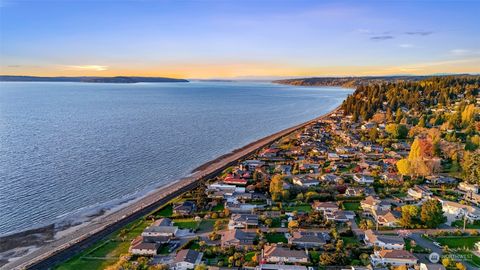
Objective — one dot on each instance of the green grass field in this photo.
(206, 225)
(276, 238)
(299, 208)
(458, 242)
(350, 240)
(185, 223)
(351, 206)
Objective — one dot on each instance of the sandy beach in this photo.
(78, 238)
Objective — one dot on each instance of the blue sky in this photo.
(210, 39)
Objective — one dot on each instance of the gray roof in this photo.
(187, 255)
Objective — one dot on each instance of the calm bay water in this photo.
(70, 148)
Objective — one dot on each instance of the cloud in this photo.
(86, 68)
(459, 51)
(406, 45)
(14, 66)
(419, 33)
(384, 37)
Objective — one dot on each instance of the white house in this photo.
(363, 179)
(139, 247)
(187, 259)
(419, 192)
(305, 181)
(393, 257)
(383, 241)
(277, 254)
(454, 211)
(464, 186)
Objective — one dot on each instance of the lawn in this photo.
(276, 238)
(459, 224)
(106, 252)
(350, 240)
(206, 225)
(185, 223)
(218, 207)
(351, 206)
(299, 208)
(249, 256)
(458, 242)
(166, 211)
(416, 248)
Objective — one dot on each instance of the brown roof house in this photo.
(393, 258)
(238, 238)
(140, 247)
(278, 254)
(310, 239)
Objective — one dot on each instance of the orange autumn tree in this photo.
(421, 160)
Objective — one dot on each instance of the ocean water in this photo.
(69, 148)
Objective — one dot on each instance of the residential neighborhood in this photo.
(340, 193)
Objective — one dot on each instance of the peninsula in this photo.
(87, 79)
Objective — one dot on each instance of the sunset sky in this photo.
(238, 39)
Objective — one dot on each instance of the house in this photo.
(308, 239)
(330, 178)
(252, 165)
(431, 266)
(441, 179)
(333, 157)
(454, 210)
(363, 179)
(161, 231)
(372, 239)
(233, 180)
(419, 192)
(354, 192)
(325, 207)
(236, 207)
(280, 267)
(371, 204)
(185, 208)
(243, 221)
(305, 181)
(140, 247)
(368, 126)
(393, 257)
(269, 153)
(340, 216)
(468, 187)
(278, 254)
(386, 218)
(237, 238)
(187, 259)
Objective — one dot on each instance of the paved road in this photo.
(103, 223)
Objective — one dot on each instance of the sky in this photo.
(238, 39)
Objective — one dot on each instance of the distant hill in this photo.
(350, 82)
(87, 79)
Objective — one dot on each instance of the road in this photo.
(66, 246)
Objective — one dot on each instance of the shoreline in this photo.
(86, 234)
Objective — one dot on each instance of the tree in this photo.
(293, 224)
(460, 266)
(446, 262)
(468, 114)
(403, 166)
(268, 222)
(410, 215)
(397, 131)
(432, 214)
(200, 267)
(471, 167)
